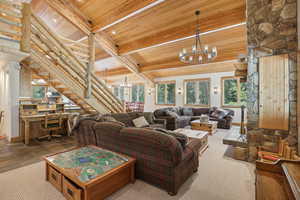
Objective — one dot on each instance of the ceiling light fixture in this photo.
(4, 14)
(198, 54)
(114, 32)
(54, 20)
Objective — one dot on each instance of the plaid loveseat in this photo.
(161, 160)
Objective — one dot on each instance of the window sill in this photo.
(165, 104)
(224, 106)
(197, 106)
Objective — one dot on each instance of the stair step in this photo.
(54, 81)
(60, 86)
(66, 92)
(292, 173)
(42, 73)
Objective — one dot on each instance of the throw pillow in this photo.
(182, 139)
(140, 122)
(172, 114)
(148, 116)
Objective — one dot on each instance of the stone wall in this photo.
(272, 26)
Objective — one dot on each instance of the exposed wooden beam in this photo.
(26, 28)
(72, 14)
(227, 66)
(114, 72)
(112, 49)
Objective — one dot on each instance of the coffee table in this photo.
(210, 126)
(89, 173)
(196, 135)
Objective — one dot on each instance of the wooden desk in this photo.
(27, 119)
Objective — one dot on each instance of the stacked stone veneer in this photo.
(272, 25)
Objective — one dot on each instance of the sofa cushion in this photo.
(187, 111)
(140, 122)
(124, 118)
(182, 139)
(200, 111)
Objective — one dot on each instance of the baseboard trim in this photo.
(238, 123)
(17, 139)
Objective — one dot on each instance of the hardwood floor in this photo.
(18, 154)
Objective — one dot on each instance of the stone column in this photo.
(271, 26)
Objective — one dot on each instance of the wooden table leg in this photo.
(26, 134)
(132, 175)
(47, 171)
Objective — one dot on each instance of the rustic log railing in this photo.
(49, 44)
(71, 63)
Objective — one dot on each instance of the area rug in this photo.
(218, 178)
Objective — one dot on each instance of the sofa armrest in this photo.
(160, 121)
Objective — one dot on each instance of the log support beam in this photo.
(26, 28)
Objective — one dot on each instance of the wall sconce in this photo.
(215, 90)
(179, 91)
(150, 91)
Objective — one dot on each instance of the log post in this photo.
(91, 65)
(26, 28)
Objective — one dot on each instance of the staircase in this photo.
(62, 66)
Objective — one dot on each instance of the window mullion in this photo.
(197, 92)
(166, 94)
(238, 91)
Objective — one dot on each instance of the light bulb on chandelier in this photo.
(198, 54)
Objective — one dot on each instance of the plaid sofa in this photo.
(161, 160)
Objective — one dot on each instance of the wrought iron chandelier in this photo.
(198, 54)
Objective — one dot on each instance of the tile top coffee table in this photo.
(196, 135)
(210, 126)
(89, 173)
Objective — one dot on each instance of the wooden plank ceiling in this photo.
(141, 35)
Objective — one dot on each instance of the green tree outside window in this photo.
(197, 92)
(234, 92)
(165, 93)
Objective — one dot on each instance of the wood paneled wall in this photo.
(273, 94)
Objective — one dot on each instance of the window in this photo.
(197, 92)
(138, 93)
(234, 92)
(165, 93)
(38, 92)
(119, 92)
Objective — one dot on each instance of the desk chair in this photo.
(52, 122)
